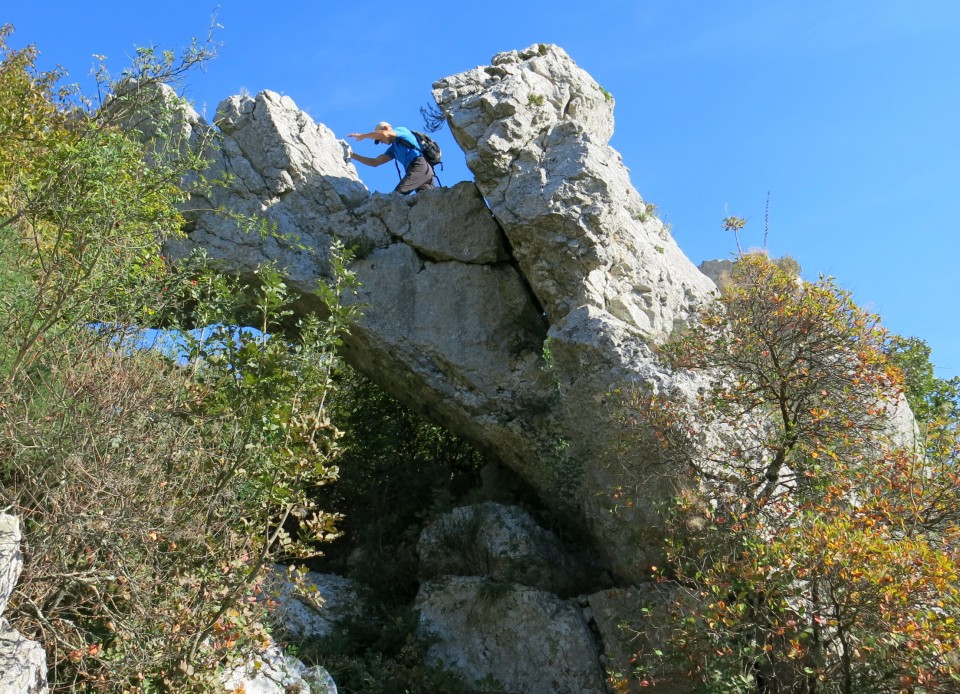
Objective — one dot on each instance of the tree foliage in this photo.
(801, 379)
(823, 558)
(930, 397)
(84, 203)
(155, 492)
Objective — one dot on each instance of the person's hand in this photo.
(347, 152)
(356, 136)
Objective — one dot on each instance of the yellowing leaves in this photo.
(817, 525)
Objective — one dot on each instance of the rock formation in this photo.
(512, 310)
(23, 664)
(272, 671)
(314, 609)
(503, 543)
(501, 598)
(528, 640)
(505, 310)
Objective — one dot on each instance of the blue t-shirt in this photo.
(399, 151)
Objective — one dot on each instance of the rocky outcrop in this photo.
(481, 618)
(611, 280)
(535, 129)
(512, 310)
(23, 663)
(716, 270)
(503, 543)
(506, 310)
(271, 671)
(314, 607)
(525, 639)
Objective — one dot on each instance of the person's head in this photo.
(384, 127)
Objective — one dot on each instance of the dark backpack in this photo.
(430, 149)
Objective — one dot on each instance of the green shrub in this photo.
(154, 493)
(930, 398)
(822, 558)
(396, 472)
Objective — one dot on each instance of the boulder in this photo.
(271, 671)
(312, 608)
(23, 663)
(11, 557)
(503, 543)
(524, 639)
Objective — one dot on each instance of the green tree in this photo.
(155, 493)
(801, 377)
(84, 203)
(930, 397)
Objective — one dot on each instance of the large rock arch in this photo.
(466, 289)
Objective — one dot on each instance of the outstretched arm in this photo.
(363, 136)
(383, 133)
(386, 134)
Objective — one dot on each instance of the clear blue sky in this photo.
(846, 111)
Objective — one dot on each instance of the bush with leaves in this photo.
(156, 495)
(801, 378)
(154, 492)
(823, 560)
(84, 204)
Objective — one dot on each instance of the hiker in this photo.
(405, 149)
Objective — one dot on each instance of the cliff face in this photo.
(507, 310)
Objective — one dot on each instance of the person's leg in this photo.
(419, 177)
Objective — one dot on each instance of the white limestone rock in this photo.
(23, 663)
(11, 557)
(526, 639)
(314, 610)
(535, 129)
(460, 297)
(289, 150)
(271, 671)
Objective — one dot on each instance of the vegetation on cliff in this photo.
(814, 552)
(819, 550)
(154, 492)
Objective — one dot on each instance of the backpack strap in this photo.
(411, 146)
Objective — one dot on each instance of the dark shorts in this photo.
(419, 177)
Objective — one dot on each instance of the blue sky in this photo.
(846, 111)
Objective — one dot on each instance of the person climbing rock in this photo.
(405, 149)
